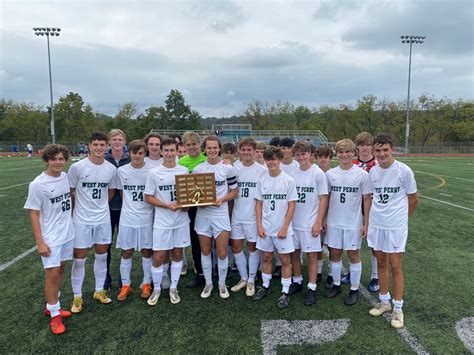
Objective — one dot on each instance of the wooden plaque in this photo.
(195, 190)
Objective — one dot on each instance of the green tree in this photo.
(179, 115)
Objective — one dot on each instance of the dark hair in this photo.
(135, 145)
(174, 136)
(301, 146)
(383, 138)
(323, 151)
(211, 138)
(272, 153)
(287, 142)
(151, 135)
(51, 150)
(275, 142)
(98, 136)
(169, 141)
(229, 147)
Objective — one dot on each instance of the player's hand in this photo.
(316, 229)
(218, 203)
(43, 249)
(363, 232)
(282, 233)
(324, 227)
(261, 232)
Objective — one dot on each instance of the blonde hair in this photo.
(191, 137)
(115, 132)
(364, 138)
(261, 146)
(345, 144)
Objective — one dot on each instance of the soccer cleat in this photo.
(352, 297)
(146, 291)
(165, 282)
(373, 285)
(333, 291)
(380, 308)
(223, 291)
(319, 278)
(174, 296)
(346, 279)
(184, 270)
(310, 297)
(102, 297)
(250, 291)
(295, 288)
(197, 281)
(63, 313)
(56, 325)
(206, 293)
(125, 291)
(277, 272)
(240, 285)
(283, 301)
(261, 293)
(77, 305)
(397, 319)
(155, 296)
(329, 282)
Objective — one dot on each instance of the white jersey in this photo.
(346, 189)
(389, 201)
(161, 184)
(135, 211)
(244, 203)
(237, 164)
(310, 185)
(92, 183)
(225, 177)
(156, 162)
(52, 197)
(275, 193)
(290, 168)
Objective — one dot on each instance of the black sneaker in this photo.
(295, 288)
(373, 285)
(352, 297)
(277, 272)
(107, 283)
(283, 301)
(346, 279)
(310, 298)
(261, 293)
(333, 291)
(319, 278)
(197, 281)
(329, 282)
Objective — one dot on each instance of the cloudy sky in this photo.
(222, 54)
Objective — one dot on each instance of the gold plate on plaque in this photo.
(195, 190)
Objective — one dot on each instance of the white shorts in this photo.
(269, 244)
(305, 241)
(135, 238)
(345, 239)
(388, 241)
(59, 253)
(244, 231)
(85, 235)
(211, 227)
(167, 239)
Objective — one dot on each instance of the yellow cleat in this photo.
(102, 297)
(77, 305)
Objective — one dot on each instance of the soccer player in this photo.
(153, 145)
(275, 207)
(181, 150)
(136, 220)
(49, 206)
(213, 222)
(312, 189)
(29, 149)
(346, 225)
(93, 183)
(288, 164)
(244, 218)
(394, 199)
(260, 148)
(171, 226)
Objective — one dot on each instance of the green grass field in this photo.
(438, 293)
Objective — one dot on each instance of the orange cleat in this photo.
(125, 291)
(62, 313)
(56, 325)
(146, 291)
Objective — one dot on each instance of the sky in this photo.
(223, 54)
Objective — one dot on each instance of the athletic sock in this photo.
(336, 272)
(397, 305)
(157, 276)
(254, 262)
(222, 265)
(266, 280)
(241, 262)
(54, 309)
(320, 266)
(384, 298)
(146, 265)
(176, 267)
(356, 271)
(206, 261)
(285, 284)
(78, 273)
(373, 262)
(298, 279)
(100, 270)
(311, 286)
(125, 269)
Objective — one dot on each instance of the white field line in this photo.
(11, 187)
(447, 203)
(458, 178)
(446, 194)
(15, 259)
(2, 195)
(25, 167)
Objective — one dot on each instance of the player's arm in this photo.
(43, 248)
(318, 224)
(258, 211)
(412, 203)
(367, 201)
(152, 200)
(229, 197)
(111, 194)
(288, 217)
(73, 197)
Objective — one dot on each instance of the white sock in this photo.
(100, 270)
(336, 272)
(78, 273)
(157, 276)
(230, 255)
(176, 267)
(356, 272)
(298, 279)
(54, 309)
(384, 298)
(285, 284)
(146, 265)
(241, 262)
(320, 266)
(397, 305)
(311, 286)
(222, 265)
(125, 269)
(206, 261)
(373, 261)
(254, 262)
(266, 280)
(166, 267)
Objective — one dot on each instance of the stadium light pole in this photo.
(409, 40)
(49, 31)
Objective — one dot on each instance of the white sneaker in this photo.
(206, 293)
(250, 291)
(174, 296)
(240, 285)
(165, 282)
(223, 291)
(153, 299)
(380, 308)
(397, 319)
(184, 270)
